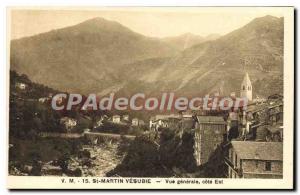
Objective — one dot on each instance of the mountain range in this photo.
(187, 40)
(102, 56)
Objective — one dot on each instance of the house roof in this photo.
(263, 106)
(275, 104)
(67, 118)
(275, 128)
(276, 96)
(258, 150)
(210, 119)
(166, 117)
(187, 115)
(257, 108)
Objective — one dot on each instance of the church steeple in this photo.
(246, 87)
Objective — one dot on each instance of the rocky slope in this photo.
(188, 40)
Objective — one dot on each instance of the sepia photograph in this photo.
(150, 97)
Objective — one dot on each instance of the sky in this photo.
(154, 22)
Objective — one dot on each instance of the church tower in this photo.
(246, 88)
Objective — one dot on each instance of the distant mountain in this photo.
(99, 56)
(220, 65)
(85, 57)
(187, 40)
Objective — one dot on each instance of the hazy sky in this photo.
(155, 22)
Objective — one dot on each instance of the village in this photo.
(251, 139)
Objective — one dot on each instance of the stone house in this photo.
(141, 122)
(135, 122)
(210, 132)
(250, 159)
(44, 99)
(69, 123)
(171, 121)
(116, 119)
(274, 133)
(99, 122)
(152, 123)
(125, 117)
(21, 86)
(270, 133)
(257, 116)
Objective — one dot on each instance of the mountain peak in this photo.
(100, 23)
(269, 17)
(266, 19)
(98, 20)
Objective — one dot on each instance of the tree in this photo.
(64, 162)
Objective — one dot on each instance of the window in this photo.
(241, 164)
(243, 87)
(277, 117)
(268, 166)
(256, 164)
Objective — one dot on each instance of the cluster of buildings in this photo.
(257, 151)
(126, 119)
(121, 120)
(69, 123)
(251, 139)
(21, 86)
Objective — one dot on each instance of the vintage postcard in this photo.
(150, 97)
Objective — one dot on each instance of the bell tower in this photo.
(246, 88)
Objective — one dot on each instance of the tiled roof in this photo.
(210, 119)
(275, 128)
(257, 108)
(258, 150)
(166, 117)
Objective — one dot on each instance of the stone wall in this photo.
(252, 168)
(257, 167)
(207, 138)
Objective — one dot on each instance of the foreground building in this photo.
(68, 123)
(165, 121)
(249, 159)
(258, 117)
(210, 132)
